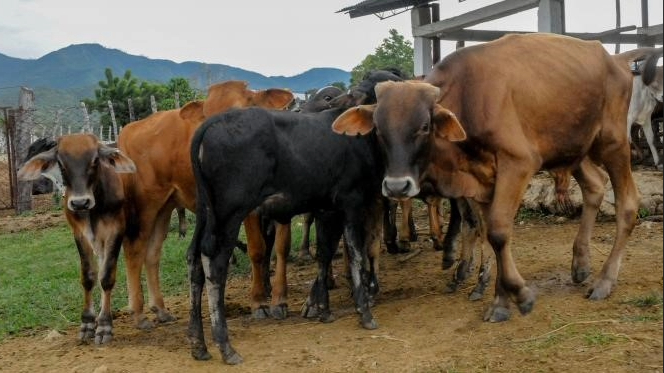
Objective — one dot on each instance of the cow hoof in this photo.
(475, 295)
(163, 316)
(262, 312)
(309, 311)
(451, 287)
(104, 338)
(200, 353)
(601, 290)
(326, 317)
(369, 323)
(497, 314)
(231, 357)
(279, 312)
(86, 332)
(401, 248)
(526, 300)
(145, 324)
(448, 262)
(580, 274)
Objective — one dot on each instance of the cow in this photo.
(159, 145)
(95, 211)
(45, 183)
(646, 92)
(298, 165)
(486, 119)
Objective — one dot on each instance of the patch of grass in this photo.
(643, 213)
(40, 284)
(596, 337)
(646, 300)
(529, 214)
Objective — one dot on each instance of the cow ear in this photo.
(116, 159)
(355, 121)
(274, 98)
(192, 111)
(447, 126)
(43, 162)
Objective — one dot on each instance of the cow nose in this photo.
(399, 187)
(80, 204)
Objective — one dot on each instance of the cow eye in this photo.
(425, 128)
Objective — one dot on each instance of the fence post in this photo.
(177, 100)
(24, 122)
(153, 104)
(131, 110)
(86, 119)
(115, 126)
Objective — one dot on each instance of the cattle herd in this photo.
(474, 131)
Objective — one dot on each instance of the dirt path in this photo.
(421, 329)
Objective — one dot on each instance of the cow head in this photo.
(408, 123)
(321, 100)
(236, 94)
(363, 93)
(80, 159)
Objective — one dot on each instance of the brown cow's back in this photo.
(514, 76)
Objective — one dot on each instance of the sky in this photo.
(270, 37)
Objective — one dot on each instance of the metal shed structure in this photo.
(429, 29)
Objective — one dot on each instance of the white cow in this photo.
(644, 98)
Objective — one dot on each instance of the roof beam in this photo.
(606, 37)
(488, 13)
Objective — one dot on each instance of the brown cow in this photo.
(159, 145)
(525, 103)
(94, 208)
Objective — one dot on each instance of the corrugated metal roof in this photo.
(380, 6)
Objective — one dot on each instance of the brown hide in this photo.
(526, 102)
(159, 145)
(94, 210)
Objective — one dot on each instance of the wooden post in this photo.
(153, 104)
(26, 107)
(177, 100)
(115, 125)
(86, 119)
(617, 49)
(131, 110)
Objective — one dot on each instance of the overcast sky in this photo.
(271, 37)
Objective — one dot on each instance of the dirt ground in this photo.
(421, 328)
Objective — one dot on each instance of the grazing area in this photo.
(420, 327)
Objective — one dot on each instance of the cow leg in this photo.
(476, 242)
(626, 195)
(109, 263)
(355, 232)
(592, 182)
(196, 284)
(257, 250)
(152, 261)
(216, 262)
(88, 280)
(449, 241)
(182, 221)
(650, 137)
(279, 304)
(435, 230)
(407, 226)
(135, 252)
(390, 225)
(470, 233)
(329, 228)
(510, 186)
(304, 255)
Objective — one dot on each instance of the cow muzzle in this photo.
(400, 187)
(80, 203)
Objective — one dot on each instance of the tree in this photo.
(395, 52)
(119, 91)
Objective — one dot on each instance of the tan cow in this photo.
(488, 117)
(159, 145)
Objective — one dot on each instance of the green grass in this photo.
(40, 276)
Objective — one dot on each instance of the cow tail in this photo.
(648, 70)
(205, 221)
(133, 226)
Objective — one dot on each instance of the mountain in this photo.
(77, 69)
